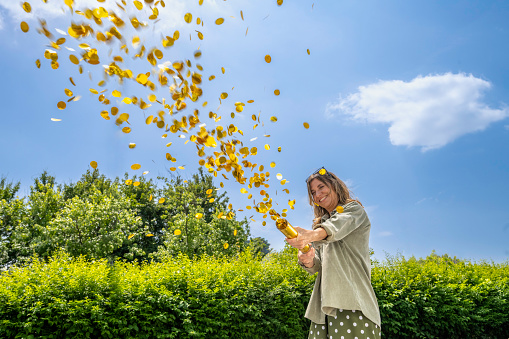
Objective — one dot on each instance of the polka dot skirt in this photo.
(345, 325)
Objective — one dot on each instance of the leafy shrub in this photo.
(245, 296)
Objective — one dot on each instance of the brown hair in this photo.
(335, 184)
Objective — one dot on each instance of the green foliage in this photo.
(8, 190)
(103, 218)
(259, 245)
(241, 296)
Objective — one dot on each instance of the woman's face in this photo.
(323, 195)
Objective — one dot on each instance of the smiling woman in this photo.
(343, 302)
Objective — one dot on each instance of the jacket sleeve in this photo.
(317, 264)
(339, 225)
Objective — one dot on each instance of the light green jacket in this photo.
(344, 267)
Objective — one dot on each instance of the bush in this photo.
(245, 296)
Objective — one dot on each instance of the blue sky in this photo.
(407, 102)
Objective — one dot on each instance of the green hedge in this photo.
(243, 297)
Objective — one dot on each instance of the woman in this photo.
(343, 303)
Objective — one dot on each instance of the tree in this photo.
(198, 220)
(8, 190)
(260, 246)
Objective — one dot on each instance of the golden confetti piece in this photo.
(200, 35)
(146, 172)
(38, 63)
(181, 167)
(188, 17)
(149, 120)
(150, 235)
(279, 176)
(173, 169)
(24, 26)
(138, 5)
(132, 145)
(127, 100)
(306, 125)
(273, 119)
(55, 119)
(322, 171)
(224, 95)
(340, 209)
(235, 231)
(177, 232)
(284, 181)
(74, 59)
(161, 200)
(61, 105)
(225, 245)
(277, 92)
(116, 94)
(264, 223)
(243, 190)
(279, 2)
(211, 200)
(136, 183)
(72, 81)
(272, 164)
(222, 70)
(94, 91)
(267, 147)
(209, 191)
(126, 130)
(68, 92)
(150, 198)
(128, 182)
(286, 190)
(135, 167)
(199, 215)
(130, 236)
(27, 7)
(246, 31)
(268, 59)
(242, 15)
(219, 21)
(69, 2)
(93, 164)
(279, 149)
(309, 53)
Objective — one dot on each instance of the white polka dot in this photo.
(347, 317)
(362, 331)
(356, 338)
(360, 317)
(355, 324)
(336, 330)
(353, 311)
(376, 326)
(335, 317)
(341, 323)
(379, 333)
(340, 310)
(367, 338)
(367, 325)
(315, 326)
(310, 332)
(318, 333)
(342, 337)
(348, 331)
(323, 327)
(330, 323)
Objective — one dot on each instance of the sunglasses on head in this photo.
(321, 171)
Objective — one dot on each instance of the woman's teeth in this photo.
(323, 199)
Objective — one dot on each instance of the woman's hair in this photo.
(336, 185)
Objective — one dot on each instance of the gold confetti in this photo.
(219, 21)
(306, 125)
(277, 92)
(267, 147)
(209, 191)
(272, 164)
(340, 209)
(242, 15)
(161, 200)
(126, 130)
(322, 171)
(309, 53)
(135, 167)
(93, 164)
(24, 26)
(199, 215)
(225, 245)
(268, 59)
(61, 105)
(279, 176)
(273, 119)
(150, 235)
(177, 232)
(55, 119)
(130, 236)
(136, 183)
(38, 63)
(26, 7)
(132, 145)
(128, 182)
(188, 17)
(279, 2)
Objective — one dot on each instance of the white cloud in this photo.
(1, 21)
(385, 234)
(427, 112)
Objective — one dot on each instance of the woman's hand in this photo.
(306, 237)
(307, 258)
